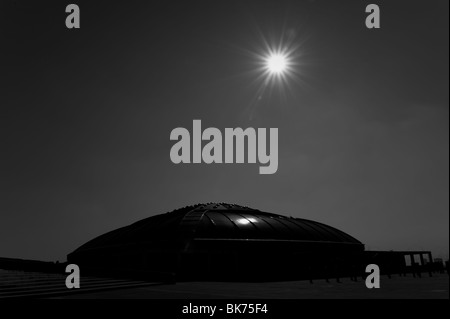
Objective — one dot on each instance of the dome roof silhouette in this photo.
(218, 241)
(220, 221)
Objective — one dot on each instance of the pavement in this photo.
(39, 285)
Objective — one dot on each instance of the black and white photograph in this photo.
(222, 157)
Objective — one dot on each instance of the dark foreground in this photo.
(20, 284)
(436, 287)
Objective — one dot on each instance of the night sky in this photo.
(86, 117)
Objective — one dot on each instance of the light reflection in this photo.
(245, 221)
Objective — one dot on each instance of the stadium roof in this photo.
(220, 222)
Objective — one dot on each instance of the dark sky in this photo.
(86, 117)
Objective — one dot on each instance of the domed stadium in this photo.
(221, 242)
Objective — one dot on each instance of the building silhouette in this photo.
(222, 242)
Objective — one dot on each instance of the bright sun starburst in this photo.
(277, 64)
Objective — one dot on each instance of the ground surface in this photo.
(397, 287)
(38, 285)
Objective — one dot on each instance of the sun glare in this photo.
(277, 63)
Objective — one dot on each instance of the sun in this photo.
(277, 64)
